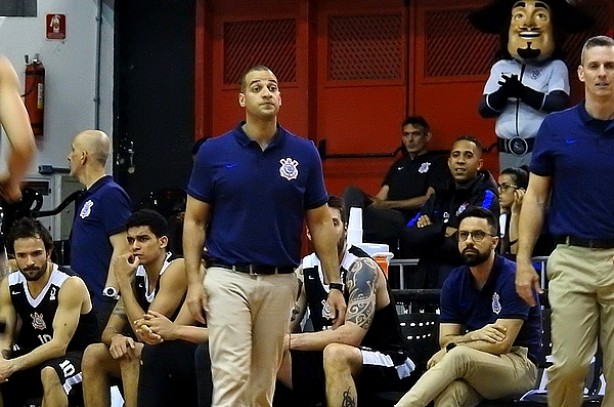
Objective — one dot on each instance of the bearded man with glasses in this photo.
(489, 337)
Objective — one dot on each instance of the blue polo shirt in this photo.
(577, 151)
(462, 303)
(258, 198)
(101, 212)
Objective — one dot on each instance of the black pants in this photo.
(204, 379)
(175, 373)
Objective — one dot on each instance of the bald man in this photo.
(16, 124)
(98, 232)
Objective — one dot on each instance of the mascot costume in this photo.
(529, 80)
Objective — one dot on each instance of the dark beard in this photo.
(473, 259)
(37, 276)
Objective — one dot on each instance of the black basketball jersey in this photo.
(384, 333)
(143, 292)
(37, 314)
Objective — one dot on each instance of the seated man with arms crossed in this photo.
(432, 230)
(490, 338)
(147, 279)
(366, 352)
(53, 308)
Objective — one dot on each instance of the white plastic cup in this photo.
(355, 226)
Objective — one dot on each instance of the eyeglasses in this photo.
(476, 235)
(505, 187)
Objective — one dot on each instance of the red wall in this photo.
(351, 70)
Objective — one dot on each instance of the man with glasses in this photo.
(489, 337)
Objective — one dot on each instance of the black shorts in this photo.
(26, 384)
(380, 372)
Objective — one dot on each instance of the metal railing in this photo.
(539, 261)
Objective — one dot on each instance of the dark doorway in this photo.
(154, 95)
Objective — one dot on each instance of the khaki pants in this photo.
(581, 294)
(248, 318)
(465, 376)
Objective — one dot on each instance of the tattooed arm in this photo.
(361, 281)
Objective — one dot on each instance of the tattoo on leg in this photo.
(348, 401)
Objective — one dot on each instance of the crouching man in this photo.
(328, 366)
(490, 338)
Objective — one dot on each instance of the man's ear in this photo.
(581, 73)
(242, 99)
(163, 241)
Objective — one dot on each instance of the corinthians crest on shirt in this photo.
(496, 303)
(424, 167)
(38, 322)
(288, 168)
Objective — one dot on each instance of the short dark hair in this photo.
(150, 218)
(520, 175)
(482, 213)
(417, 121)
(471, 139)
(336, 202)
(598, 41)
(243, 83)
(24, 228)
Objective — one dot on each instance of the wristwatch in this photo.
(450, 346)
(337, 286)
(111, 292)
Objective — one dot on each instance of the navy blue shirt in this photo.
(102, 211)
(462, 303)
(408, 178)
(258, 198)
(577, 151)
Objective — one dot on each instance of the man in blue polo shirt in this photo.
(573, 168)
(490, 338)
(250, 192)
(98, 232)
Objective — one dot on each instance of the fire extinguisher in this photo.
(34, 98)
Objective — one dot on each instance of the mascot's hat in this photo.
(496, 16)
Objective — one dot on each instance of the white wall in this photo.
(73, 74)
(71, 69)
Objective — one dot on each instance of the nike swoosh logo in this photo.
(311, 277)
(15, 292)
(231, 165)
(570, 141)
(400, 168)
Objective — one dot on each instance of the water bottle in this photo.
(326, 315)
